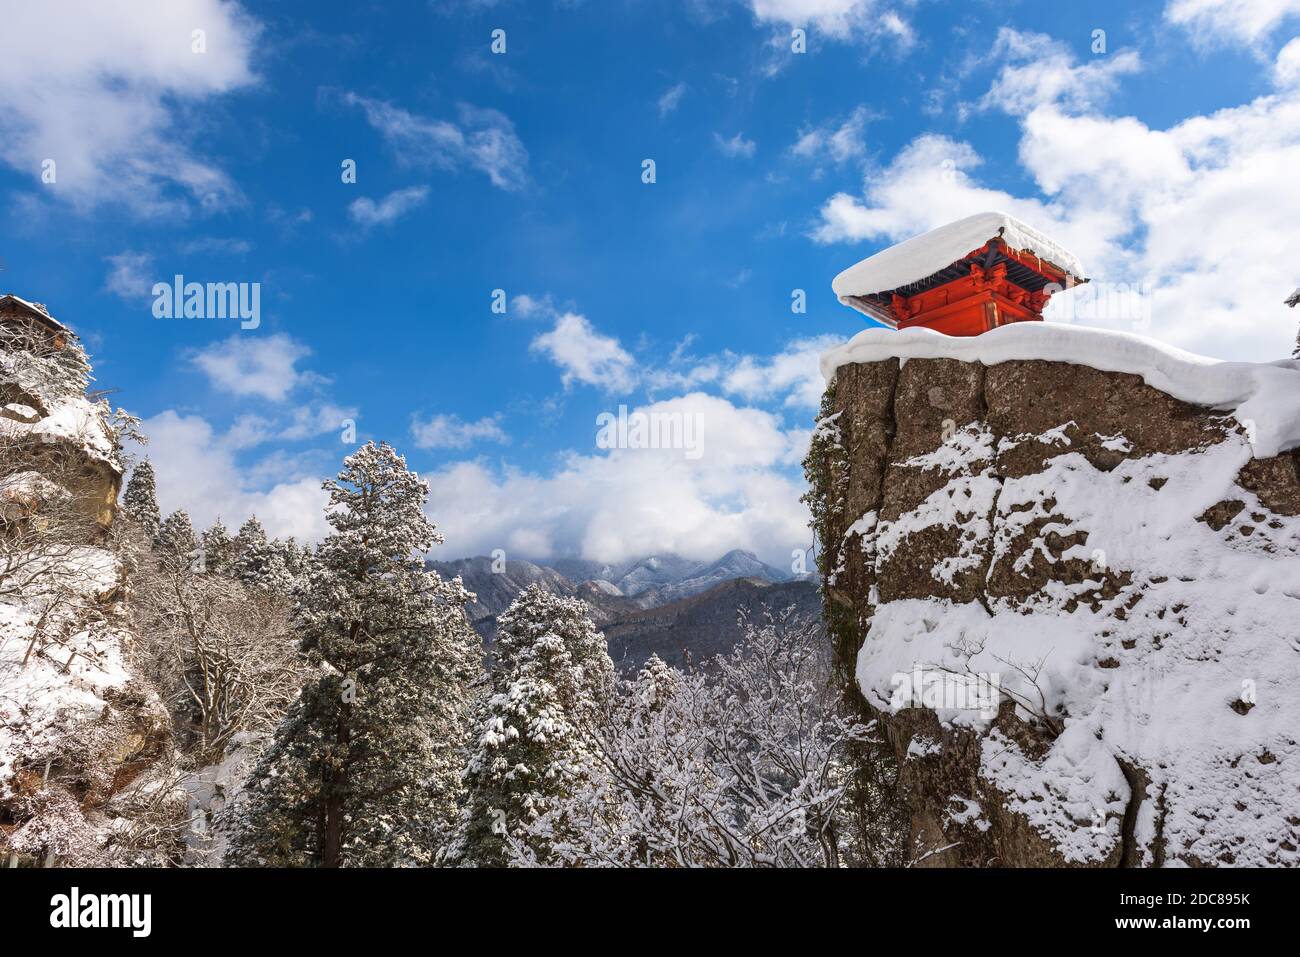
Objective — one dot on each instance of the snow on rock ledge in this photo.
(1265, 394)
(1082, 519)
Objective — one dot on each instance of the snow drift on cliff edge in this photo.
(1194, 684)
(1263, 396)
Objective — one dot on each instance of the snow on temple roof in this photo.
(922, 256)
(1263, 396)
(36, 309)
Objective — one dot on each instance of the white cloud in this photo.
(129, 275)
(263, 366)
(586, 355)
(1204, 213)
(451, 432)
(742, 491)
(685, 376)
(1218, 22)
(735, 146)
(792, 375)
(248, 431)
(839, 19)
(365, 212)
(838, 143)
(315, 419)
(1286, 69)
(197, 470)
(1038, 69)
(626, 503)
(484, 140)
(96, 87)
(671, 98)
(216, 245)
(526, 306)
(926, 185)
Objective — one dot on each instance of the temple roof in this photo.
(943, 254)
(34, 309)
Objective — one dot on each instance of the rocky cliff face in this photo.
(1071, 599)
(79, 731)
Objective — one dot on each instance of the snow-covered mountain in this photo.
(495, 585)
(735, 564)
(693, 629)
(612, 591)
(582, 570)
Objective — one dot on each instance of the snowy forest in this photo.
(331, 706)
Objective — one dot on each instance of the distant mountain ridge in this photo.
(639, 600)
(694, 629)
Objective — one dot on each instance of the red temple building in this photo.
(962, 279)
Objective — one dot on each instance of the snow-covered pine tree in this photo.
(251, 531)
(140, 501)
(364, 769)
(551, 674)
(176, 542)
(266, 563)
(743, 765)
(251, 553)
(218, 548)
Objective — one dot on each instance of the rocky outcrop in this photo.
(47, 422)
(79, 732)
(1072, 600)
(82, 738)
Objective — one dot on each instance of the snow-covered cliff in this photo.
(77, 728)
(1063, 568)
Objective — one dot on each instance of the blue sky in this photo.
(1165, 159)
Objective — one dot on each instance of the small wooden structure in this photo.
(34, 319)
(962, 279)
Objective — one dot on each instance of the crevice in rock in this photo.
(1158, 845)
(887, 461)
(1130, 852)
(983, 595)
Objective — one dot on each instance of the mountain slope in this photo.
(696, 628)
(735, 564)
(612, 591)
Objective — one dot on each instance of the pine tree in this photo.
(363, 770)
(251, 531)
(266, 563)
(551, 673)
(176, 543)
(218, 548)
(140, 501)
(655, 685)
